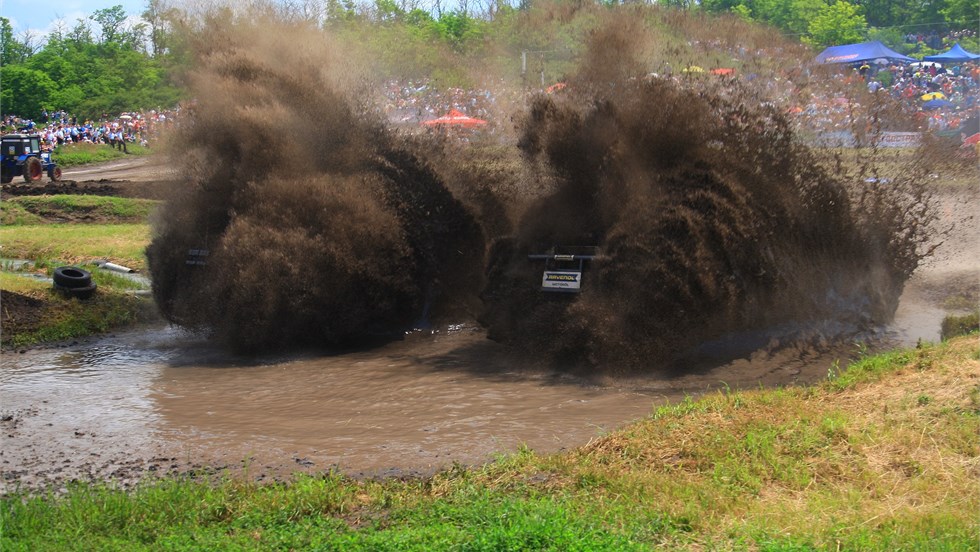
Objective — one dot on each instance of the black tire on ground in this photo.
(79, 292)
(33, 170)
(6, 175)
(72, 277)
(54, 174)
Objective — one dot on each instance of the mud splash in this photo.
(711, 216)
(307, 223)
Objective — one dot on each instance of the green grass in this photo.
(63, 318)
(14, 214)
(32, 210)
(27, 235)
(68, 318)
(860, 462)
(10, 281)
(966, 324)
(122, 244)
(74, 155)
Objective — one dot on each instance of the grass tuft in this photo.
(73, 155)
(32, 210)
(955, 326)
(122, 244)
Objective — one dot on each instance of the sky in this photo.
(40, 16)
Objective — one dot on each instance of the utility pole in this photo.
(541, 57)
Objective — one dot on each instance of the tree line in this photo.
(100, 65)
(103, 64)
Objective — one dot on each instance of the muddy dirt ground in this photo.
(144, 176)
(461, 398)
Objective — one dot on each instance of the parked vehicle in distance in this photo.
(21, 155)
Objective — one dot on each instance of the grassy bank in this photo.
(101, 229)
(37, 210)
(881, 456)
(34, 313)
(77, 243)
(75, 229)
(73, 155)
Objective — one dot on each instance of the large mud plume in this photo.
(711, 217)
(304, 222)
(323, 228)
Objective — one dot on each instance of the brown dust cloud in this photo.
(320, 227)
(324, 227)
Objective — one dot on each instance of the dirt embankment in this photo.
(145, 176)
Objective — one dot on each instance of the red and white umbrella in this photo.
(456, 117)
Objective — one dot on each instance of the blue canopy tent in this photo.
(864, 51)
(953, 55)
(936, 104)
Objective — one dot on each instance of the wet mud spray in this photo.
(306, 222)
(323, 228)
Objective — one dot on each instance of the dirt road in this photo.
(144, 176)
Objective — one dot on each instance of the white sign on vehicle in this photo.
(900, 139)
(561, 280)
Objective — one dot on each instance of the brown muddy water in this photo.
(162, 401)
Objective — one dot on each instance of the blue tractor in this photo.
(21, 155)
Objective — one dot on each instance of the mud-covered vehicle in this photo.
(21, 155)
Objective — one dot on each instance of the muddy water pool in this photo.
(159, 400)
(163, 399)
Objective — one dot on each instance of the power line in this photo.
(938, 23)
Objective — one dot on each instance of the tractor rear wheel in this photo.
(33, 169)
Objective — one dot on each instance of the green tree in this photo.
(74, 72)
(457, 28)
(724, 6)
(159, 30)
(892, 37)
(885, 13)
(743, 12)
(962, 14)
(25, 92)
(387, 10)
(111, 22)
(81, 33)
(838, 23)
(11, 50)
(419, 18)
(924, 14)
(792, 16)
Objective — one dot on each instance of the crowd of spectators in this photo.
(60, 128)
(956, 89)
(821, 104)
(414, 101)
